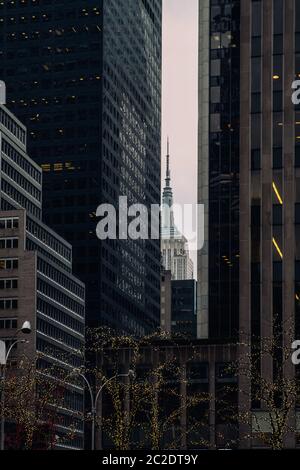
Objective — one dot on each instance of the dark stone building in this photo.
(249, 176)
(85, 77)
(219, 162)
(190, 381)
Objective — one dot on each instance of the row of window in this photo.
(60, 316)
(49, 239)
(11, 125)
(60, 297)
(8, 243)
(20, 199)
(9, 263)
(59, 335)
(8, 323)
(21, 161)
(58, 353)
(32, 246)
(21, 181)
(60, 278)
(278, 274)
(8, 223)
(8, 304)
(8, 284)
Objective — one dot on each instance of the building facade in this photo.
(249, 176)
(36, 280)
(190, 381)
(166, 301)
(218, 178)
(85, 77)
(178, 306)
(184, 308)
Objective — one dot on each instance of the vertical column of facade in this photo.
(266, 181)
(203, 165)
(289, 196)
(183, 404)
(245, 215)
(289, 167)
(212, 397)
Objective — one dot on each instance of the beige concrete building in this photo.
(36, 280)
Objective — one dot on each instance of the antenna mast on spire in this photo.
(168, 173)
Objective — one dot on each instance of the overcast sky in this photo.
(180, 100)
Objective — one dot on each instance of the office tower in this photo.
(85, 77)
(249, 159)
(219, 162)
(249, 148)
(269, 179)
(174, 245)
(36, 280)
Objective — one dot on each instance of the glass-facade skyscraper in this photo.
(219, 147)
(248, 165)
(85, 77)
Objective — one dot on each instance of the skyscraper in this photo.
(174, 245)
(248, 162)
(249, 174)
(85, 77)
(219, 162)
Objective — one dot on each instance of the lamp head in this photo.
(26, 328)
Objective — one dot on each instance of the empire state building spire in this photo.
(174, 247)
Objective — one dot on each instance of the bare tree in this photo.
(272, 388)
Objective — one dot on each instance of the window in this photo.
(225, 373)
(8, 284)
(8, 304)
(9, 223)
(277, 215)
(277, 158)
(8, 263)
(256, 159)
(278, 16)
(256, 18)
(215, 68)
(277, 271)
(8, 243)
(256, 103)
(256, 74)
(8, 323)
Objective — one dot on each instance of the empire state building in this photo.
(174, 245)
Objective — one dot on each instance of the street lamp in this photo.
(94, 399)
(26, 330)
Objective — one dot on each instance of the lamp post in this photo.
(95, 399)
(26, 329)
